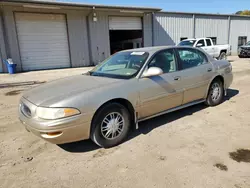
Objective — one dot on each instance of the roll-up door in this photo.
(43, 41)
(125, 23)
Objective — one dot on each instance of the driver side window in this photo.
(165, 60)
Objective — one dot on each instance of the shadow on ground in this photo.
(146, 126)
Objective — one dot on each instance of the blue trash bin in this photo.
(11, 67)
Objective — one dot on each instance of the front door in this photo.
(195, 75)
(160, 93)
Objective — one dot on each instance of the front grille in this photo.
(25, 110)
(245, 49)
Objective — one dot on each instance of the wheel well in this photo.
(121, 101)
(223, 51)
(219, 77)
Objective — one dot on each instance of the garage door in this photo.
(125, 23)
(43, 41)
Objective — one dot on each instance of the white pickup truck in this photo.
(216, 51)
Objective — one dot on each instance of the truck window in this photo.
(208, 42)
(202, 42)
(214, 39)
(187, 43)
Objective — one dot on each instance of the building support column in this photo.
(193, 25)
(229, 29)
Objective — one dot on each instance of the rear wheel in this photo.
(215, 93)
(223, 56)
(240, 56)
(111, 125)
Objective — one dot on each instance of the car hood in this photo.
(245, 47)
(67, 87)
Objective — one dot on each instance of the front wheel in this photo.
(110, 125)
(215, 93)
(223, 56)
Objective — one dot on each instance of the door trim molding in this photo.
(173, 109)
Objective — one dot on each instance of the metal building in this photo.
(172, 27)
(47, 34)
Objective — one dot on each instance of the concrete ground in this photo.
(192, 148)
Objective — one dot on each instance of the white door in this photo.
(209, 48)
(125, 23)
(43, 41)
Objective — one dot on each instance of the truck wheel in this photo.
(110, 125)
(223, 56)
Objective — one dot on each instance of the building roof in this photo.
(204, 14)
(83, 5)
(131, 8)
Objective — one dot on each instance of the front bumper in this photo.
(59, 131)
(244, 52)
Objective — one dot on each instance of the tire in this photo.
(240, 56)
(102, 134)
(212, 100)
(223, 56)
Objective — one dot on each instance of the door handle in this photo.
(209, 69)
(177, 78)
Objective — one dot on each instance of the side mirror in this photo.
(199, 45)
(152, 71)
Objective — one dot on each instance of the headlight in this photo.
(239, 49)
(55, 113)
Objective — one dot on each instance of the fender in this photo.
(210, 82)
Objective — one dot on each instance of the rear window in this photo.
(208, 42)
(187, 43)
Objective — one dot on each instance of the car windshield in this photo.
(122, 65)
(248, 43)
(187, 43)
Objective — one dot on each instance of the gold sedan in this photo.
(129, 87)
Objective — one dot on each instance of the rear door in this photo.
(202, 44)
(195, 74)
(209, 47)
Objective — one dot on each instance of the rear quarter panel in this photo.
(222, 68)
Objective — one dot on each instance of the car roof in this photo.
(149, 49)
(154, 49)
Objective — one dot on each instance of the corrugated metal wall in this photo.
(169, 28)
(89, 40)
(99, 34)
(1, 43)
(147, 30)
(77, 34)
(78, 39)
(212, 26)
(99, 38)
(239, 27)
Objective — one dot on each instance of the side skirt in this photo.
(170, 110)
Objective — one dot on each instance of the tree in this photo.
(238, 13)
(243, 13)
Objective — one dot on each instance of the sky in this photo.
(204, 6)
